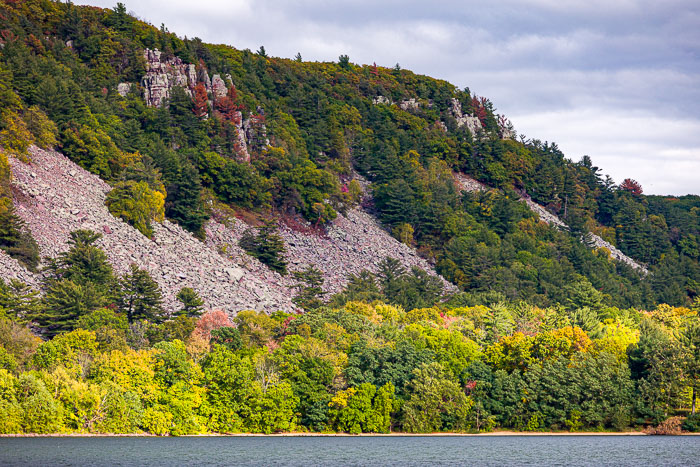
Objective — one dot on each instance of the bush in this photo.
(137, 204)
(691, 423)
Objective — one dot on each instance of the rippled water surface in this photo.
(337, 451)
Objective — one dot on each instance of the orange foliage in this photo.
(209, 321)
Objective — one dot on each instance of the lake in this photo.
(395, 450)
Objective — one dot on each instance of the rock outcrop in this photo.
(472, 123)
(54, 197)
(464, 182)
(162, 75)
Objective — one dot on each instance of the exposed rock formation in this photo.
(473, 124)
(381, 100)
(161, 76)
(409, 104)
(54, 197)
(218, 86)
(464, 182)
(123, 89)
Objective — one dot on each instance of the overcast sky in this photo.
(618, 80)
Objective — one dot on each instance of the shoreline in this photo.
(503, 433)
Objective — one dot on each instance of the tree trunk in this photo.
(692, 410)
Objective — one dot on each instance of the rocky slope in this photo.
(10, 269)
(351, 243)
(54, 196)
(464, 182)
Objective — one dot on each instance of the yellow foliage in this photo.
(43, 129)
(14, 136)
(616, 339)
(363, 309)
(390, 313)
(137, 204)
(423, 314)
(5, 176)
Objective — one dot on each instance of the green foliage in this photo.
(436, 403)
(140, 297)
(267, 246)
(15, 238)
(192, 304)
(137, 204)
(309, 283)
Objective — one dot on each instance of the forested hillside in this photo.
(197, 133)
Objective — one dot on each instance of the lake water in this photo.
(340, 451)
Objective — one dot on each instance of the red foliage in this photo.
(631, 186)
(374, 70)
(478, 104)
(209, 321)
(228, 106)
(200, 101)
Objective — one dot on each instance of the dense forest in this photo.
(545, 333)
(348, 365)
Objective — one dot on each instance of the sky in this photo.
(618, 80)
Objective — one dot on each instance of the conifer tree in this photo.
(192, 304)
(140, 297)
(309, 283)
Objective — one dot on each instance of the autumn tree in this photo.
(631, 186)
(200, 101)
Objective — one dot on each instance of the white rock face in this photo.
(381, 100)
(464, 182)
(472, 123)
(409, 104)
(218, 87)
(162, 76)
(123, 89)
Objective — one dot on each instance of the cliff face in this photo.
(54, 196)
(163, 74)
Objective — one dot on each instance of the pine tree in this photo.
(84, 262)
(192, 304)
(15, 238)
(309, 283)
(18, 300)
(140, 297)
(64, 303)
(184, 201)
(267, 246)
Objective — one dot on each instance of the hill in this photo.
(196, 238)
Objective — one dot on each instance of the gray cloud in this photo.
(617, 80)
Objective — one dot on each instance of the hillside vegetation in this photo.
(546, 331)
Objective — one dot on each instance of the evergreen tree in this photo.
(140, 297)
(84, 262)
(309, 283)
(18, 300)
(64, 303)
(267, 246)
(184, 201)
(15, 238)
(192, 304)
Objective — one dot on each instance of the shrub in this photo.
(137, 204)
